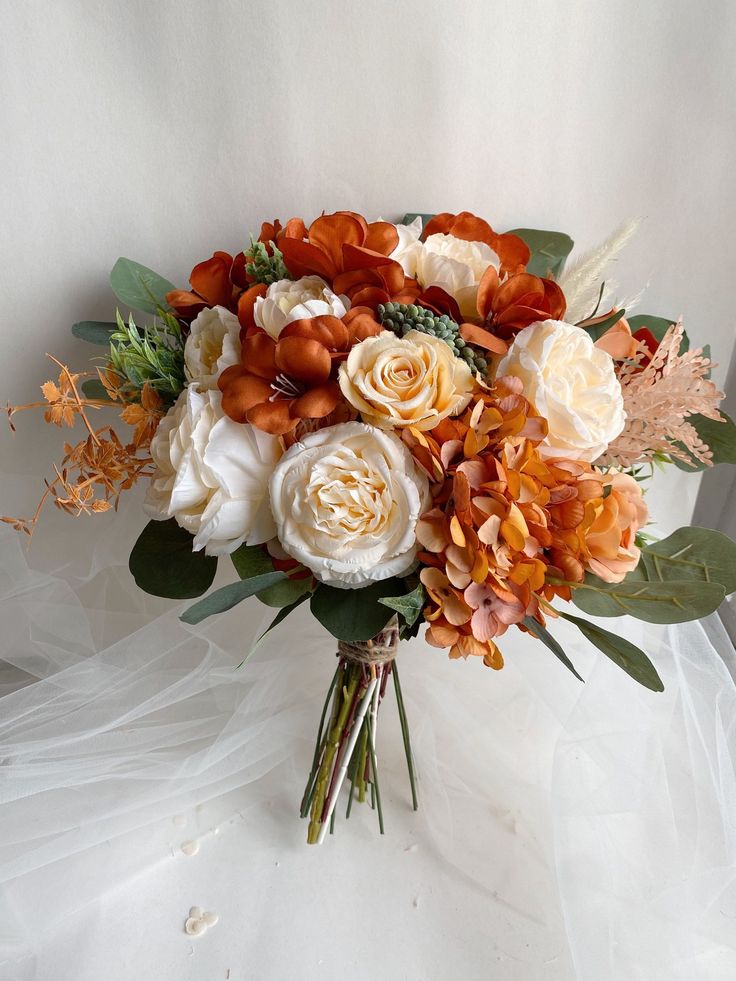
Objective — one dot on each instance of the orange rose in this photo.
(610, 527)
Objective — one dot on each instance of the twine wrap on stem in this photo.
(381, 649)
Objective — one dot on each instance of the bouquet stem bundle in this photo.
(346, 742)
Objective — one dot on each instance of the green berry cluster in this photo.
(265, 268)
(403, 317)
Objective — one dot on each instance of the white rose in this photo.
(212, 474)
(407, 251)
(286, 301)
(572, 383)
(213, 344)
(455, 265)
(346, 501)
(414, 380)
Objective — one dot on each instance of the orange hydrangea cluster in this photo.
(510, 528)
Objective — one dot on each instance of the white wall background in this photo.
(163, 130)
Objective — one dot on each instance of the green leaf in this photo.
(229, 596)
(549, 250)
(719, 436)
(541, 633)
(657, 326)
(94, 389)
(355, 614)
(675, 601)
(284, 593)
(279, 618)
(696, 554)
(94, 331)
(622, 652)
(598, 330)
(411, 215)
(163, 564)
(251, 560)
(138, 287)
(409, 605)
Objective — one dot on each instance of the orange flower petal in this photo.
(382, 237)
(487, 287)
(304, 359)
(329, 331)
(241, 394)
(317, 402)
(303, 259)
(272, 417)
(482, 338)
(330, 233)
(211, 279)
(247, 303)
(258, 354)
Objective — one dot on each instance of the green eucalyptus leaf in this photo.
(355, 614)
(94, 389)
(138, 287)
(657, 326)
(549, 250)
(411, 215)
(719, 436)
(279, 618)
(675, 601)
(94, 331)
(622, 652)
(697, 554)
(409, 606)
(284, 593)
(163, 564)
(541, 633)
(251, 560)
(229, 596)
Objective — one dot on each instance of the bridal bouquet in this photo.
(426, 424)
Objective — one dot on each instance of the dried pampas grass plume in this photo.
(581, 282)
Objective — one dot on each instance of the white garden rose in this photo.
(414, 380)
(409, 246)
(286, 301)
(213, 344)
(346, 501)
(572, 383)
(212, 474)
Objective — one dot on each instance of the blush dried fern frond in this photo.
(659, 397)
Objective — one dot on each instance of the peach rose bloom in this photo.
(610, 538)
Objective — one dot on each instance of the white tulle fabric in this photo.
(601, 811)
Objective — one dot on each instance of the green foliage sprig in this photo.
(152, 355)
(265, 268)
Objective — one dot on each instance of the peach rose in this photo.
(610, 537)
(413, 380)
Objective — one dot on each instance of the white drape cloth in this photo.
(595, 823)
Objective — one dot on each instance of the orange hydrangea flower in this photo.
(504, 521)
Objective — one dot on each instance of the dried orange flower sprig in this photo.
(95, 471)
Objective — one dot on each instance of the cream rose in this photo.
(212, 474)
(414, 380)
(213, 344)
(286, 301)
(346, 501)
(572, 384)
